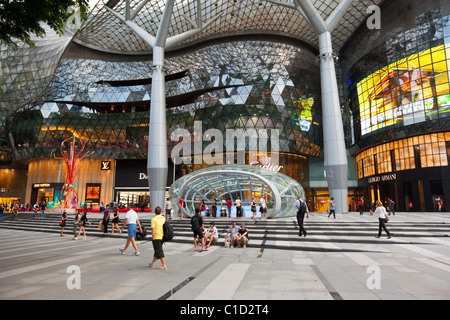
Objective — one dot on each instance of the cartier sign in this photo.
(385, 177)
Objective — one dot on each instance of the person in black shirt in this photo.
(196, 223)
(242, 236)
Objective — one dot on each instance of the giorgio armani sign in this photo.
(383, 178)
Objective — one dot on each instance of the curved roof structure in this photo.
(244, 181)
(104, 32)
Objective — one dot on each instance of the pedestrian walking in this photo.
(382, 219)
(75, 223)
(2, 209)
(115, 220)
(63, 222)
(105, 221)
(253, 208)
(82, 225)
(331, 208)
(361, 206)
(302, 209)
(132, 221)
(371, 207)
(391, 205)
(157, 239)
(263, 208)
(196, 224)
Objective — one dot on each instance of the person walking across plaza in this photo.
(302, 209)
(105, 221)
(382, 219)
(115, 220)
(82, 225)
(253, 206)
(157, 239)
(391, 205)
(63, 222)
(132, 221)
(331, 208)
(263, 208)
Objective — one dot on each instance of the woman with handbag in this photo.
(382, 218)
(82, 225)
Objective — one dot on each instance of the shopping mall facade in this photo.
(256, 66)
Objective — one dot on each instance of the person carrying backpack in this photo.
(157, 224)
(302, 209)
(196, 223)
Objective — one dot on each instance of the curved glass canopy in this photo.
(224, 182)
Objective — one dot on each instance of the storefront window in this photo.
(426, 151)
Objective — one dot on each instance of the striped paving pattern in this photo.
(38, 265)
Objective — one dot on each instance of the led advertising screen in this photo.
(408, 91)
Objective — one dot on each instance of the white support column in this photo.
(335, 152)
(157, 162)
(157, 158)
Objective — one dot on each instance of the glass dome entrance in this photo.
(221, 183)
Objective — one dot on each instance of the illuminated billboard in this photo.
(303, 117)
(408, 91)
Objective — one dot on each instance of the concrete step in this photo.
(322, 236)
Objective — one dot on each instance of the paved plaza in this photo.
(414, 265)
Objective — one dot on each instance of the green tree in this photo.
(20, 18)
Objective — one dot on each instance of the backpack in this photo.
(302, 208)
(167, 231)
(141, 235)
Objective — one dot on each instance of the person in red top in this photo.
(180, 207)
(229, 204)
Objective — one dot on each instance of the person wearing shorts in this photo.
(212, 234)
(132, 222)
(157, 239)
(196, 224)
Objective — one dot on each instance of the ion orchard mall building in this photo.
(242, 66)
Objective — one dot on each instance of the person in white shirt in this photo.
(263, 209)
(238, 208)
(132, 221)
(212, 234)
(382, 218)
(168, 209)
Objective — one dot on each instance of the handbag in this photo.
(101, 226)
(61, 223)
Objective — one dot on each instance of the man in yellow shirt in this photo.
(157, 236)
